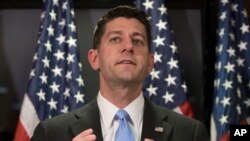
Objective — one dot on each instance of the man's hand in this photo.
(86, 135)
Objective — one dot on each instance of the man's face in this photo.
(123, 54)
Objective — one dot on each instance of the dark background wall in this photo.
(19, 24)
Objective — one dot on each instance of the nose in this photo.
(127, 45)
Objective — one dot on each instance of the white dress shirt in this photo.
(110, 125)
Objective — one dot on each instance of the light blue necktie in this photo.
(124, 132)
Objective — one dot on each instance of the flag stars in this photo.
(159, 41)
(217, 101)
(157, 57)
(55, 2)
(71, 42)
(80, 81)
(32, 73)
(56, 65)
(65, 5)
(233, 22)
(57, 71)
(65, 109)
(69, 75)
(223, 16)
(225, 101)
(223, 119)
(219, 49)
(218, 66)
(52, 104)
(242, 45)
(50, 30)
(148, 4)
(48, 46)
(152, 90)
(216, 83)
(172, 63)
(59, 55)
(168, 97)
(46, 62)
(70, 58)
(227, 84)
(35, 57)
(43, 78)
(184, 86)
(247, 102)
(234, 7)
(244, 13)
(173, 47)
(61, 39)
(224, 2)
(79, 97)
(62, 23)
(229, 67)
(170, 80)
(222, 32)
(231, 52)
(238, 93)
(161, 25)
(248, 85)
(80, 66)
(72, 27)
(238, 108)
(232, 36)
(41, 95)
(66, 93)
(72, 12)
(244, 28)
(239, 78)
(240, 62)
(54, 87)
(52, 15)
(163, 9)
(154, 74)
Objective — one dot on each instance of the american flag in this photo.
(232, 79)
(55, 82)
(165, 85)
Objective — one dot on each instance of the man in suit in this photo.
(121, 54)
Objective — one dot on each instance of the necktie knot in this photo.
(124, 131)
(122, 115)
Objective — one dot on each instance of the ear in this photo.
(151, 62)
(93, 59)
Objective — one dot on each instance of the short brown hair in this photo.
(121, 11)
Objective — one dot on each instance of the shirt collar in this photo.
(108, 110)
(135, 110)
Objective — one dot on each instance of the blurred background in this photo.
(193, 21)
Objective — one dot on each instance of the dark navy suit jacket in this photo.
(159, 124)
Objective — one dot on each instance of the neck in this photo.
(120, 96)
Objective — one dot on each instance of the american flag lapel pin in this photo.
(159, 129)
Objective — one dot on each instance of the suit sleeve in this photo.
(201, 133)
(40, 133)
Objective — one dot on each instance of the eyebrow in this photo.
(120, 33)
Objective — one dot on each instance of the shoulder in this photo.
(193, 129)
(65, 119)
(171, 117)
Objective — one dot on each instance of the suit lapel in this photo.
(88, 117)
(154, 126)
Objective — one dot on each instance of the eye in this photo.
(115, 39)
(138, 42)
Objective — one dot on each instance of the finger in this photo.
(86, 135)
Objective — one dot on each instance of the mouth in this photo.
(129, 62)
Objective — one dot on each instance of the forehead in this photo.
(125, 25)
